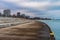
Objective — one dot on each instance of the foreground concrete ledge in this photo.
(33, 30)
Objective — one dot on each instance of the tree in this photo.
(36, 18)
(13, 15)
(23, 16)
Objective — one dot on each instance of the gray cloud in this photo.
(54, 8)
(33, 10)
(37, 0)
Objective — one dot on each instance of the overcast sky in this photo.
(41, 8)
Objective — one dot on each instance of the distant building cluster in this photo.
(7, 13)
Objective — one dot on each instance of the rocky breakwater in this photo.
(32, 30)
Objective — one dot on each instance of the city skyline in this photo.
(7, 13)
(40, 8)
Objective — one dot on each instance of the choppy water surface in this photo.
(55, 27)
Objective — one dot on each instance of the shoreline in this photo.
(27, 31)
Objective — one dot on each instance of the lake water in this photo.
(55, 27)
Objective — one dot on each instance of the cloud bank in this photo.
(41, 8)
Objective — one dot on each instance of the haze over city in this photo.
(40, 8)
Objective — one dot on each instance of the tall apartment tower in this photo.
(7, 13)
(18, 14)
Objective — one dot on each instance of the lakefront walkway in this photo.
(32, 30)
(26, 30)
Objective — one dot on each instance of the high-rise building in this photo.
(18, 14)
(0, 14)
(7, 13)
